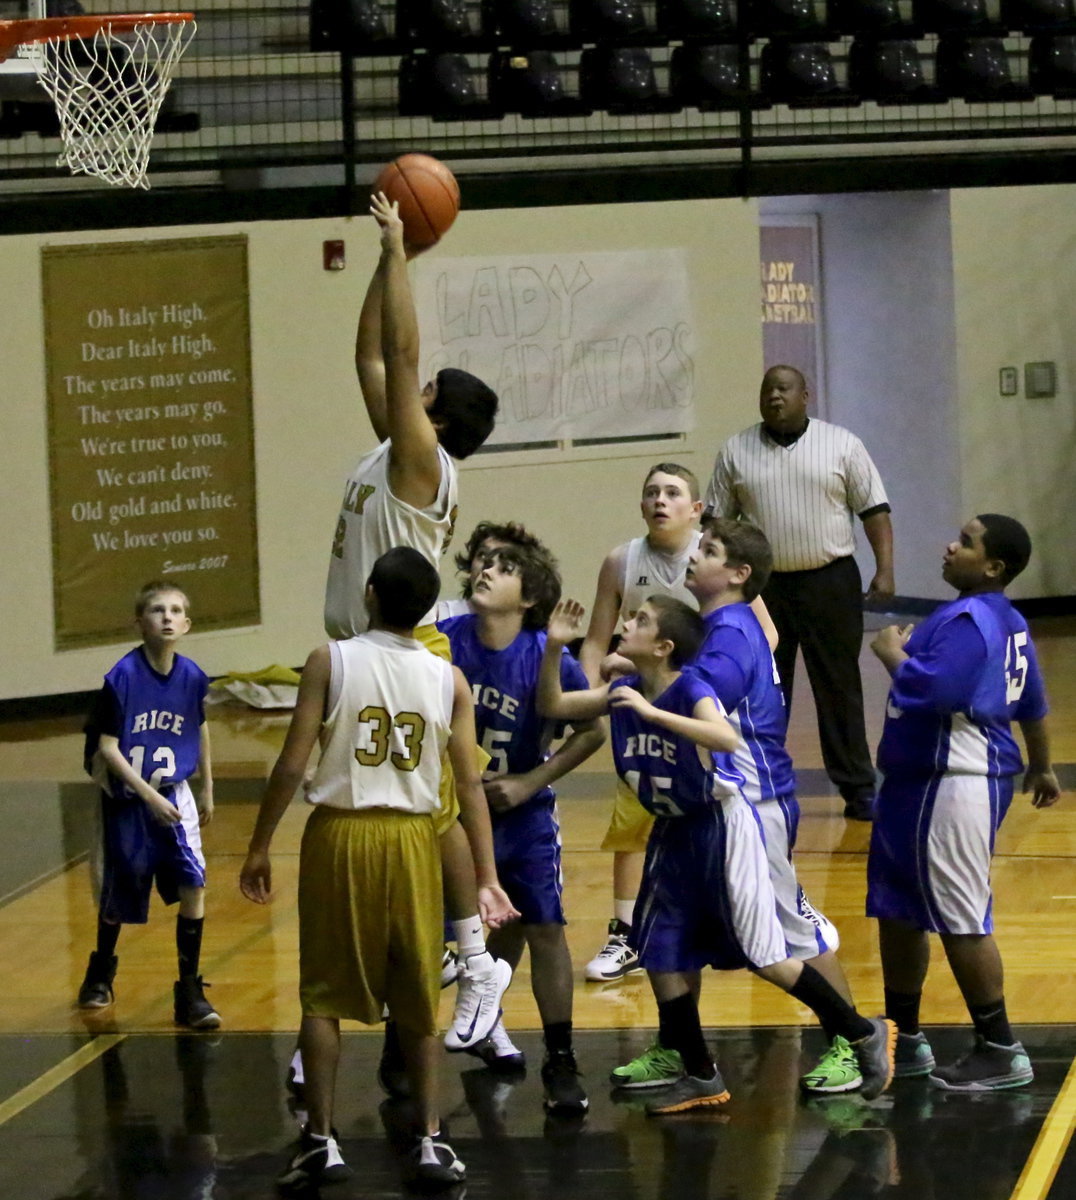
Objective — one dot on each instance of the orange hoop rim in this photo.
(46, 29)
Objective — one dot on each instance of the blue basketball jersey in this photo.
(504, 685)
(971, 672)
(736, 661)
(156, 718)
(661, 768)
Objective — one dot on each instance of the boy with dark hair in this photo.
(370, 907)
(146, 738)
(706, 897)
(649, 565)
(949, 763)
(404, 493)
(727, 572)
(499, 647)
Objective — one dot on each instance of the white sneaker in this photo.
(498, 1051)
(615, 959)
(450, 968)
(483, 980)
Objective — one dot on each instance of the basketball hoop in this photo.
(107, 76)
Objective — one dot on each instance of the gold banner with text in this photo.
(151, 437)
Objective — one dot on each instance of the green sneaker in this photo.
(655, 1067)
(837, 1070)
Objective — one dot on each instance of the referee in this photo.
(803, 481)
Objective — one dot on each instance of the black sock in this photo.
(189, 944)
(825, 1002)
(558, 1037)
(679, 1029)
(992, 1022)
(903, 1009)
(107, 937)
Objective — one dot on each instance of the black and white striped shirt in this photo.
(803, 496)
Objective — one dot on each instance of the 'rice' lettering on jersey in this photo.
(663, 769)
(971, 671)
(737, 662)
(504, 684)
(156, 719)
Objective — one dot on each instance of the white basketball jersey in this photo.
(647, 571)
(382, 742)
(372, 520)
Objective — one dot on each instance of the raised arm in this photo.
(369, 365)
(255, 878)
(706, 727)
(553, 701)
(603, 615)
(414, 465)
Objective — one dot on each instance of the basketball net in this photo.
(107, 77)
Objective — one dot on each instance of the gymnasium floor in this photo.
(122, 1105)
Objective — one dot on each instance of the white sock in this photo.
(624, 910)
(470, 939)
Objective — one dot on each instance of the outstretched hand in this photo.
(387, 214)
(566, 623)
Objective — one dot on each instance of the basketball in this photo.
(427, 193)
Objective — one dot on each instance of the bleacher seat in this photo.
(621, 80)
(977, 69)
(532, 84)
(802, 75)
(889, 71)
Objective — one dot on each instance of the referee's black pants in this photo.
(821, 613)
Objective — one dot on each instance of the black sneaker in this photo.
(316, 1161)
(560, 1078)
(191, 1007)
(987, 1067)
(432, 1165)
(499, 1052)
(859, 806)
(96, 990)
(876, 1055)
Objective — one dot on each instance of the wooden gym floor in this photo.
(121, 1104)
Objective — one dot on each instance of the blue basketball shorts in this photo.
(526, 849)
(931, 845)
(706, 897)
(138, 852)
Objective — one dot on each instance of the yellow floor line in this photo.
(57, 1075)
(1051, 1144)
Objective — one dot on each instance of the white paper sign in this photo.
(584, 345)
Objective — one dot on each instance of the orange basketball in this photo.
(427, 193)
